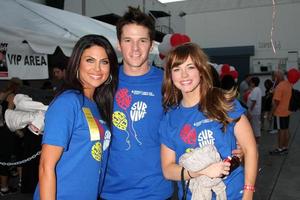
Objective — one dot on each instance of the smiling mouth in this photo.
(136, 55)
(186, 82)
(95, 77)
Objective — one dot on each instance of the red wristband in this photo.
(249, 187)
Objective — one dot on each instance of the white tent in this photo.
(44, 29)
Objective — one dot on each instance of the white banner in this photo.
(20, 61)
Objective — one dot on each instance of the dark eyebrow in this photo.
(104, 59)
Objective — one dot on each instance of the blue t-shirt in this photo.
(73, 122)
(134, 167)
(185, 128)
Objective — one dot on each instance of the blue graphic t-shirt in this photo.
(185, 128)
(134, 167)
(73, 122)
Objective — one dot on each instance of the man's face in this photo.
(135, 45)
(58, 73)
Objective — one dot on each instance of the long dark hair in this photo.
(214, 102)
(104, 94)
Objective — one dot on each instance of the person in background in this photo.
(77, 124)
(199, 114)
(254, 107)
(280, 111)
(59, 71)
(7, 138)
(228, 82)
(216, 77)
(267, 103)
(244, 88)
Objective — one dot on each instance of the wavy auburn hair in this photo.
(214, 102)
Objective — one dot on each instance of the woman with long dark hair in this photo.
(78, 123)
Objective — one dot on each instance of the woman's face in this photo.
(186, 77)
(94, 68)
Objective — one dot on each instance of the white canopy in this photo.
(45, 28)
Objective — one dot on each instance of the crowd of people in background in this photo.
(270, 111)
(123, 132)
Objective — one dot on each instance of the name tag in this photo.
(93, 128)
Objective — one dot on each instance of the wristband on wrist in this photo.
(249, 187)
(188, 172)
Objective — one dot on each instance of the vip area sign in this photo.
(20, 61)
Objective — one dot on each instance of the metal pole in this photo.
(83, 7)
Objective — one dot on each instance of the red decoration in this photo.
(293, 75)
(170, 41)
(225, 69)
(234, 74)
(123, 98)
(175, 39)
(185, 38)
(188, 134)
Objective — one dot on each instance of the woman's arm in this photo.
(47, 177)
(172, 171)
(245, 137)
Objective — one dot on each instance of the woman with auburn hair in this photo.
(198, 116)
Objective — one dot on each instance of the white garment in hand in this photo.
(202, 186)
(27, 112)
(25, 103)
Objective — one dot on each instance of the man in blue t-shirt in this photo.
(134, 167)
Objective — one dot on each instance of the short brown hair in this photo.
(136, 16)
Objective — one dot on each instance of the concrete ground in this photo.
(279, 177)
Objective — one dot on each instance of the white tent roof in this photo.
(45, 28)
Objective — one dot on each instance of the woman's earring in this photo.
(77, 74)
(108, 81)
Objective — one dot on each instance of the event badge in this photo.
(93, 128)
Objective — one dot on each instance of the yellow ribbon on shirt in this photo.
(93, 128)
